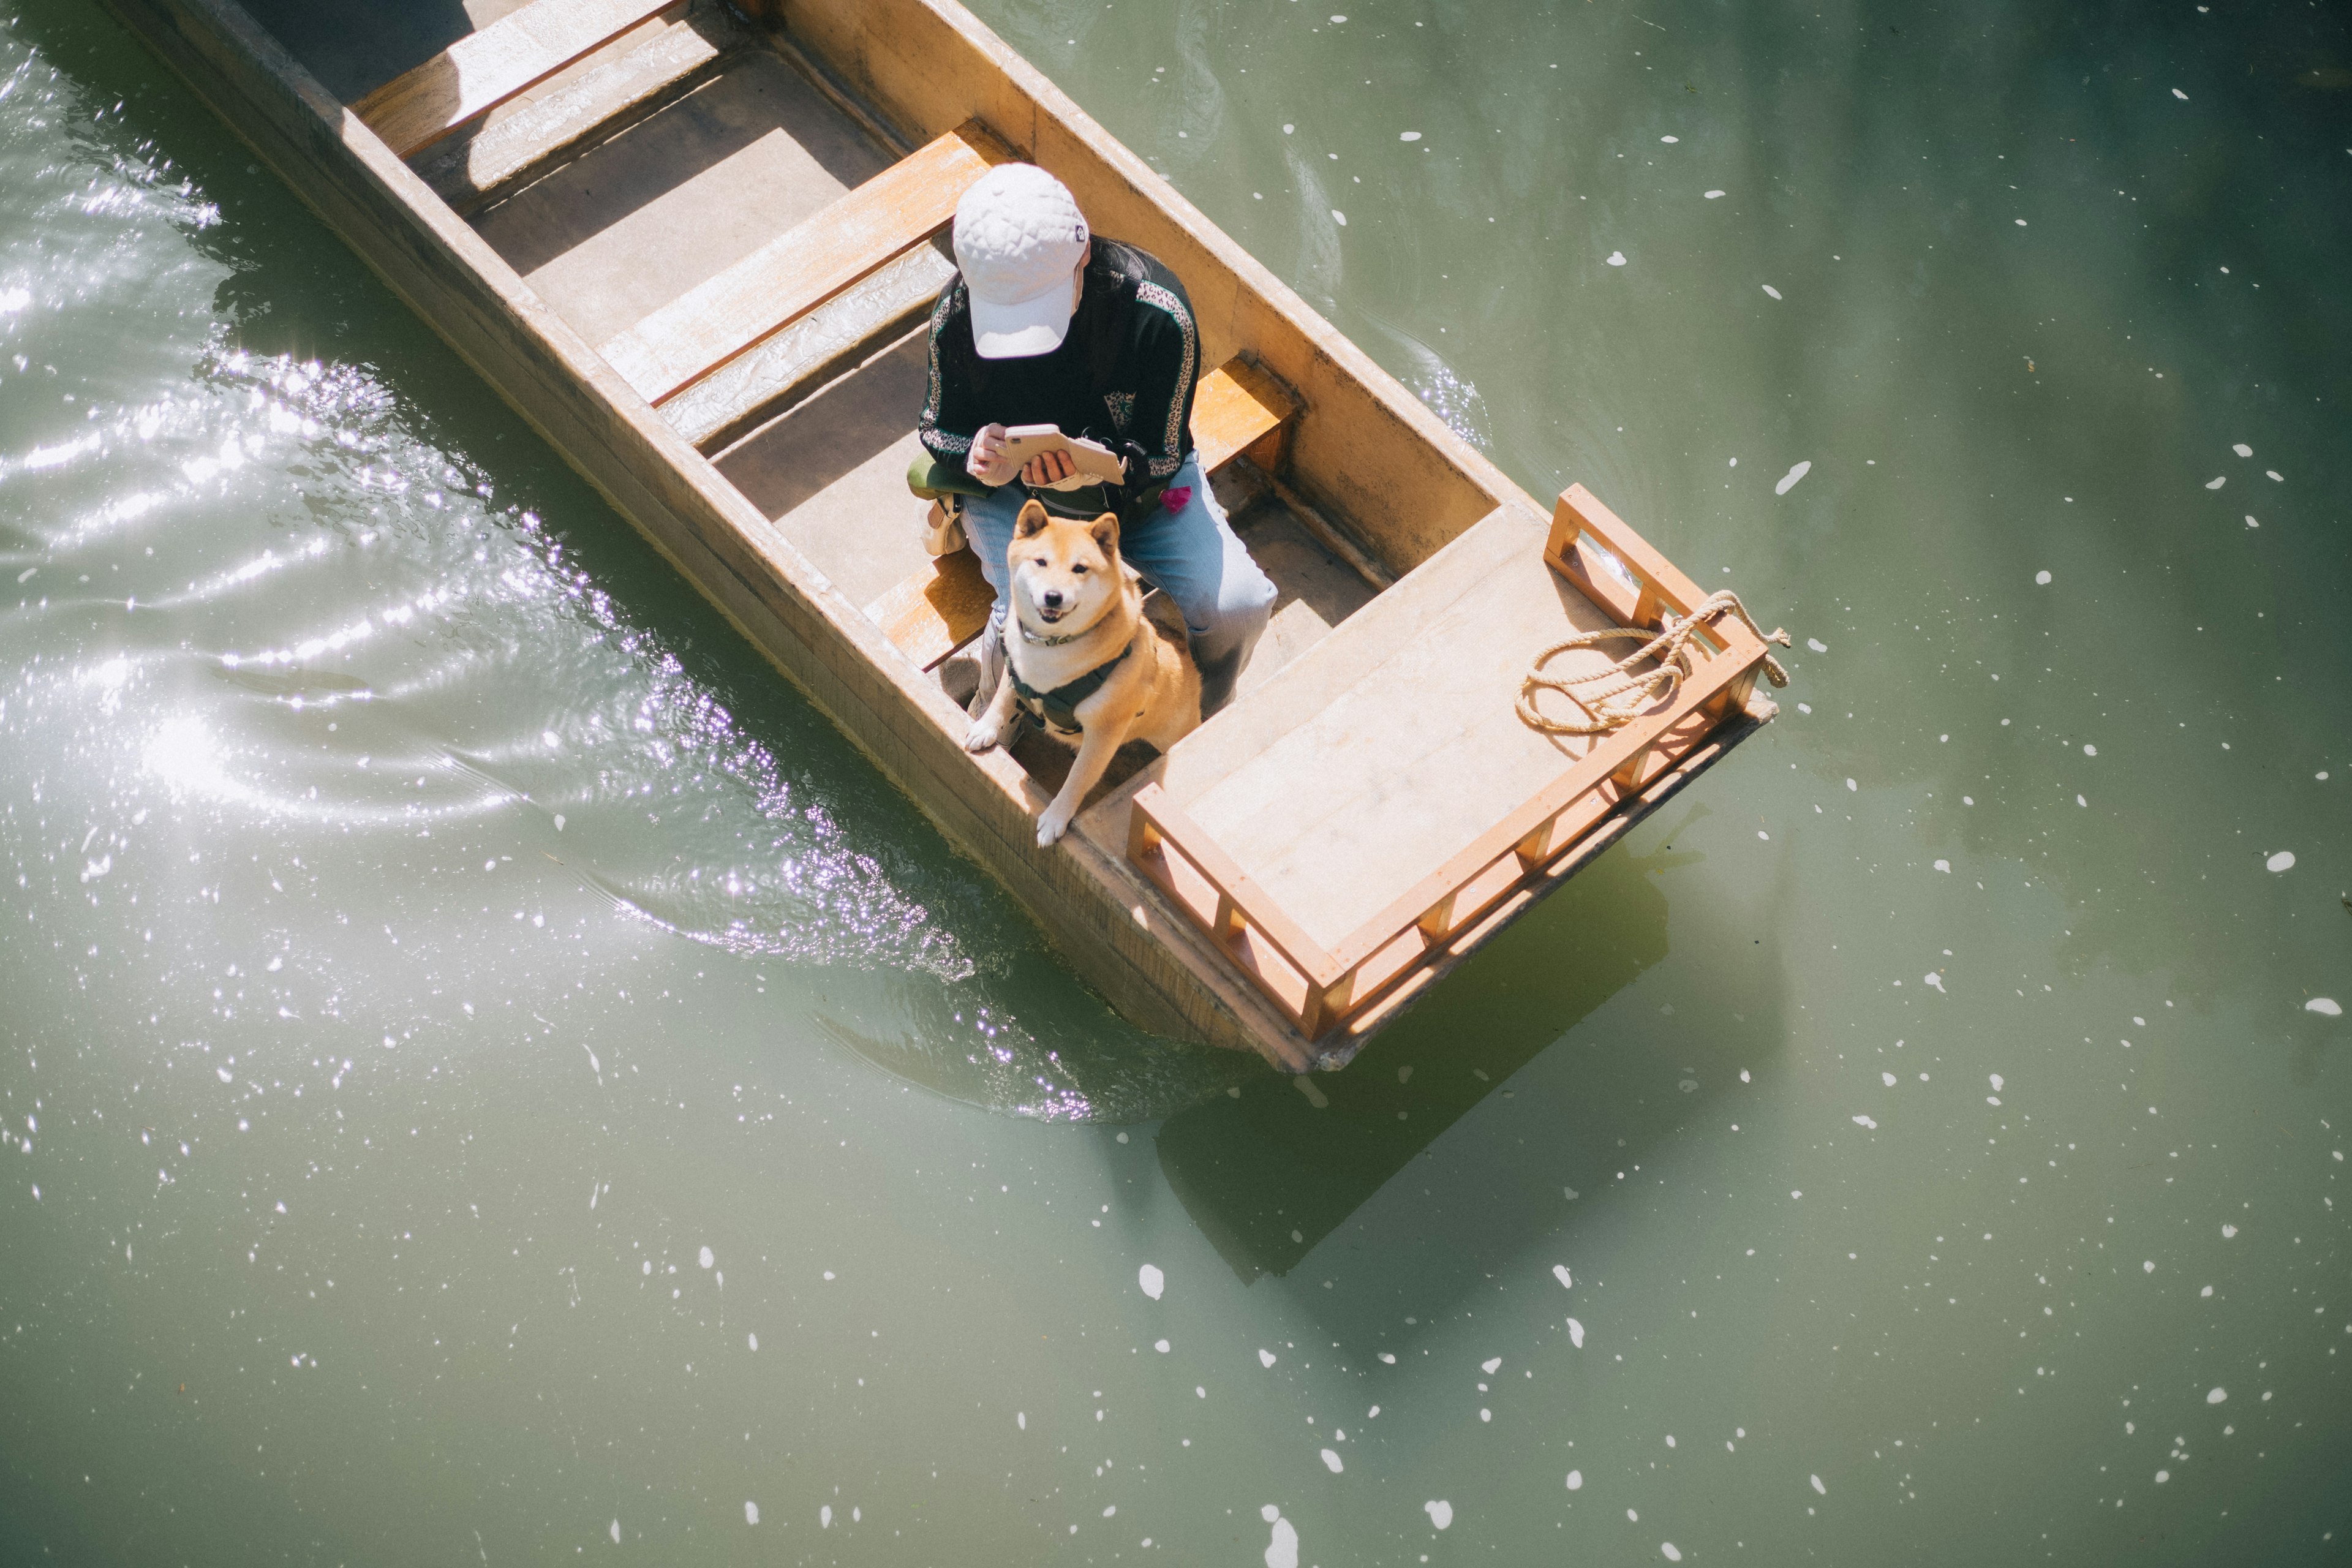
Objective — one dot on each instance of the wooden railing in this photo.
(1320, 990)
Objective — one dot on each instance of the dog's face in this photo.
(1064, 570)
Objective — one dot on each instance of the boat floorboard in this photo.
(628, 226)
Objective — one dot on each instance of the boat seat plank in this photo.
(483, 69)
(712, 324)
(605, 98)
(827, 342)
(928, 615)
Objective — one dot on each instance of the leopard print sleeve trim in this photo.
(1164, 464)
(941, 443)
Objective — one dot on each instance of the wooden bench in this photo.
(1237, 411)
(468, 170)
(709, 326)
(485, 68)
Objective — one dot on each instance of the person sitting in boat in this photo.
(1046, 324)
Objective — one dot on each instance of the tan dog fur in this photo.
(1067, 578)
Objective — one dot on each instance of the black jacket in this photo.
(1123, 376)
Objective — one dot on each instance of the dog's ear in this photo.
(1033, 520)
(1106, 532)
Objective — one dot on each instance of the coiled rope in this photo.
(1614, 695)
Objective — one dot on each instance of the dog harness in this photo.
(1058, 710)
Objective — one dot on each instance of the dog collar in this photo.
(1031, 637)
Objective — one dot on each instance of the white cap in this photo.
(1018, 237)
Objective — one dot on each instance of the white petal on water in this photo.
(1887, 1078)
(1819, 1487)
(754, 1339)
(2242, 449)
(825, 1517)
(1769, 290)
(2326, 1006)
(2041, 578)
(1489, 1367)
(1944, 866)
(1712, 195)
(2274, 474)
(1339, 217)
(1865, 1121)
(1669, 140)
(616, 1532)
(2180, 95)
(2216, 1396)
(1667, 1550)
(1021, 1419)
(1616, 258)
(1996, 1081)
(1409, 136)
(1440, 1512)
(751, 1512)
(1576, 1480)
(1789, 480)
(1934, 980)
(705, 1258)
(2227, 1231)
(1388, 1358)
(1152, 1280)
(2282, 861)
(2217, 481)
(1160, 1345)
(2162, 1477)
(1331, 1462)
(2148, 1267)
(1282, 1552)
(1559, 1271)
(1576, 1333)
(1266, 1358)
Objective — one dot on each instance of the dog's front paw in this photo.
(1052, 823)
(983, 734)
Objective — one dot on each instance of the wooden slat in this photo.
(829, 341)
(708, 326)
(1581, 509)
(483, 69)
(1179, 831)
(1233, 408)
(932, 613)
(466, 170)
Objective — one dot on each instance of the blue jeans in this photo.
(1192, 554)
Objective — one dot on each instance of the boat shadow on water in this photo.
(1272, 1174)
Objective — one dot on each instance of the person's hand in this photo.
(1047, 468)
(986, 461)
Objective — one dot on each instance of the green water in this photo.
(428, 930)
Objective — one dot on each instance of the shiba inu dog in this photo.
(1081, 657)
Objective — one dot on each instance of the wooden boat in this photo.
(695, 247)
